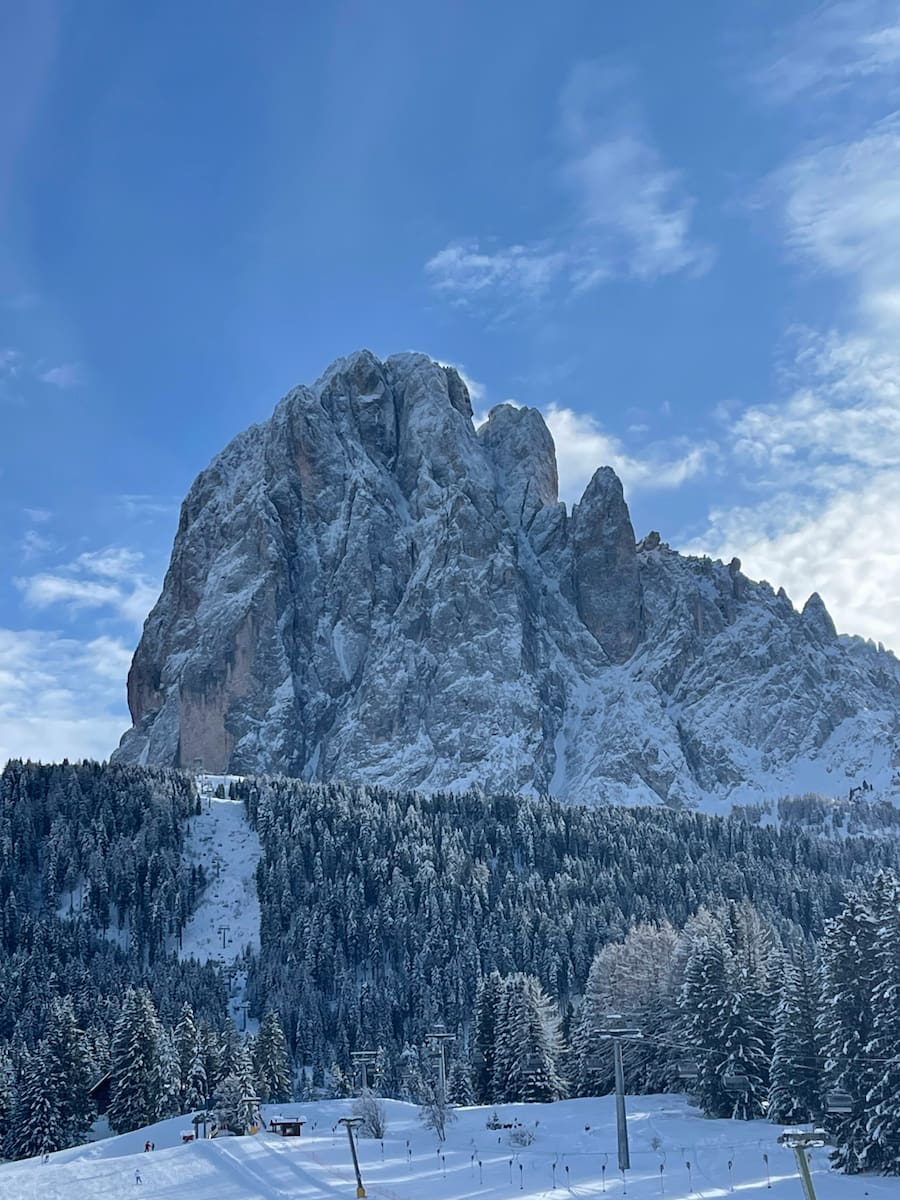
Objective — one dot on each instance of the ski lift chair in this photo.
(839, 1102)
(688, 1069)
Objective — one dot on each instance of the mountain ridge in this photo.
(365, 586)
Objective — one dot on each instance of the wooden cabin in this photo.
(287, 1126)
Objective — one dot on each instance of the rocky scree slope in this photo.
(365, 587)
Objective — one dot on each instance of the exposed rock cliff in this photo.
(364, 587)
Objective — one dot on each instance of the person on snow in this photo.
(137, 1175)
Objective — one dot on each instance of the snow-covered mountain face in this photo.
(364, 587)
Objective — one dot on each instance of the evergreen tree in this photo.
(36, 1125)
(795, 1091)
(488, 998)
(527, 1046)
(460, 1092)
(848, 952)
(187, 1053)
(271, 1062)
(238, 1091)
(69, 1063)
(704, 1002)
(137, 1091)
(883, 1049)
(744, 1041)
(6, 1091)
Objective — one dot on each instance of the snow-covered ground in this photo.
(574, 1149)
(227, 918)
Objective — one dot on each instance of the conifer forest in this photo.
(756, 958)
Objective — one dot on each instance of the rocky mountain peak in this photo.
(365, 587)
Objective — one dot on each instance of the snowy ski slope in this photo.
(574, 1148)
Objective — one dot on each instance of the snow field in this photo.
(574, 1147)
(221, 839)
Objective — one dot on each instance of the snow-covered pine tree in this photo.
(187, 1051)
(460, 1092)
(744, 1042)
(848, 950)
(36, 1126)
(237, 1090)
(137, 1094)
(412, 1075)
(6, 1091)
(883, 1049)
(528, 1045)
(271, 1062)
(704, 1005)
(169, 1075)
(488, 998)
(795, 1087)
(69, 1063)
(341, 1084)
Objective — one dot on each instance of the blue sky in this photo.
(673, 228)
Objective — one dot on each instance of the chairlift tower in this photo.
(351, 1124)
(363, 1059)
(616, 1029)
(438, 1038)
(801, 1140)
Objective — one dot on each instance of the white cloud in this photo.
(628, 214)
(825, 458)
(38, 515)
(842, 214)
(834, 48)
(112, 579)
(463, 269)
(136, 505)
(582, 446)
(10, 362)
(34, 544)
(60, 697)
(477, 391)
(66, 375)
(827, 463)
(842, 546)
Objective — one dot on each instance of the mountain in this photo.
(364, 587)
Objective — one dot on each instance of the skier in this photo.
(137, 1175)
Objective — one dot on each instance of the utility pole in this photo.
(438, 1038)
(364, 1059)
(801, 1140)
(351, 1123)
(617, 1030)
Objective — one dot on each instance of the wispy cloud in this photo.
(582, 446)
(60, 697)
(628, 214)
(113, 579)
(65, 375)
(465, 269)
(146, 507)
(835, 48)
(841, 209)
